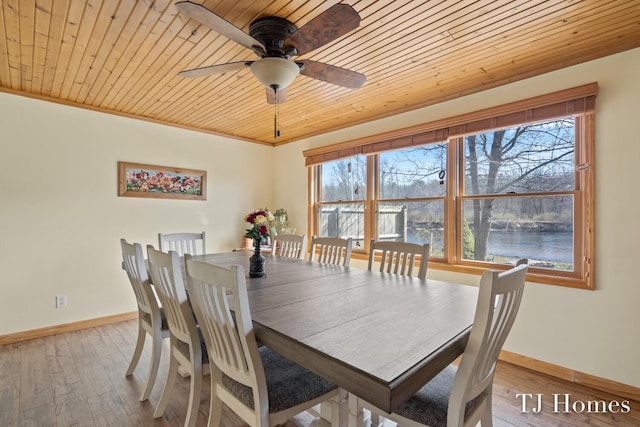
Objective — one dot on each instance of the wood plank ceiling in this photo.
(124, 56)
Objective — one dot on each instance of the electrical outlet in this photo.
(61, 301)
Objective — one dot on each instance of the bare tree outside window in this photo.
(502, 165)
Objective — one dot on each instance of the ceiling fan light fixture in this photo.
(273, 71)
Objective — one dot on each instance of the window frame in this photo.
(577, 102)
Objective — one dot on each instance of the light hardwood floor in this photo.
(77, 379)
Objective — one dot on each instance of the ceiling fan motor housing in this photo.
(272, 31)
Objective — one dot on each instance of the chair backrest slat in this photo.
(133, 263)
(229, 336)
(183, 243)
(166, 276)
(331, 250)
(400, 257)
(290, 245)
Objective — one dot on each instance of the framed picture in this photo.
(166, 182)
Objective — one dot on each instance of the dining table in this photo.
(378, 336)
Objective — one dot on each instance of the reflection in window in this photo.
(413, 173)
(344, 180)
(412, 187)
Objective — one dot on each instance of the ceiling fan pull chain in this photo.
(276, 117)
(276, 132)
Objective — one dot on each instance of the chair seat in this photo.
(429, 405)
(288, 384)
(163, 326)
(183, 348)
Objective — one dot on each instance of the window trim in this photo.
(578, 101)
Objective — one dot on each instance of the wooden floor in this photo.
(77, 379)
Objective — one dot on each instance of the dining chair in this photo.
(331, 250)
(289, 245)
(187, 348)
(183, 243)
(461, 396)
(259, 385)
(151, 318)
(400, 257)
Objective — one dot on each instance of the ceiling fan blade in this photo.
(332, 74)
(271, 96)
(218, 24)
(334, 22)
(215, 69)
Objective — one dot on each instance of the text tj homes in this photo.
(563, 403)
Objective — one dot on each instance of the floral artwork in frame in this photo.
(142, 180)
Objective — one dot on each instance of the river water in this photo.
(553, 247)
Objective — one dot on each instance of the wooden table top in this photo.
(379, 336)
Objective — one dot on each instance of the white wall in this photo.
(594, 332)
(61, 219)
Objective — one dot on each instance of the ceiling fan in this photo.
(276, 40)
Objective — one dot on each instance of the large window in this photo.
(519, 185)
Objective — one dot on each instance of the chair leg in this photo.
(168, 386)
(156, 350)
(339, 409)
(376, 420)
(215, 407)
(487, 415)
(138, 351)
(356, 415)
(194, 395)
(486, 420)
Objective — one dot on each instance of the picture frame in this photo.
(162, 182)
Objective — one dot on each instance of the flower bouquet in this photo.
(259, 220)
(259, 231)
